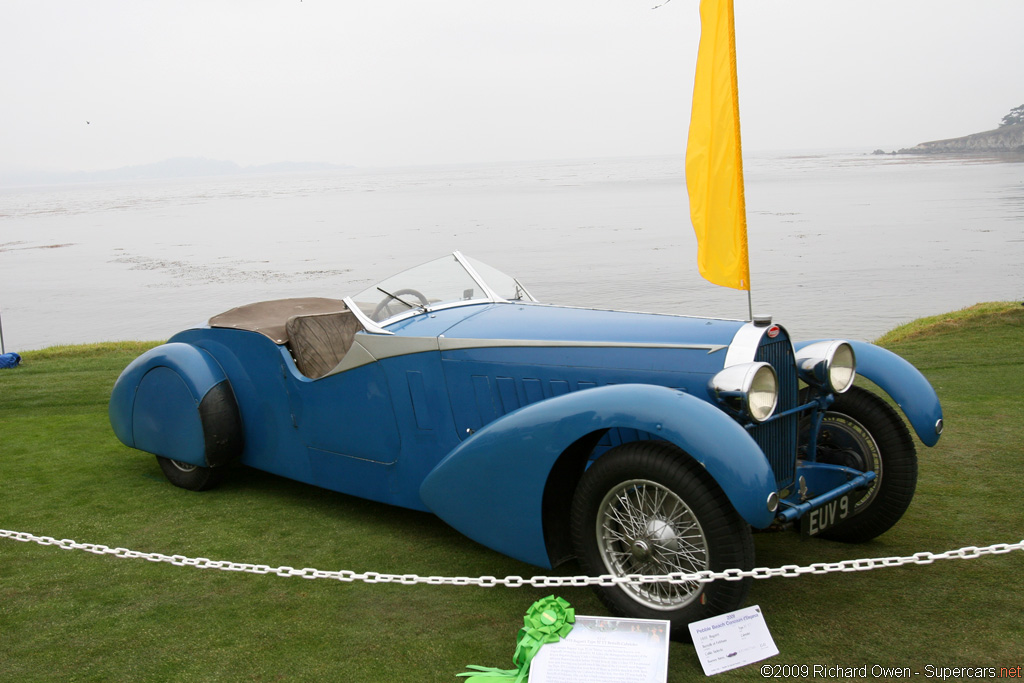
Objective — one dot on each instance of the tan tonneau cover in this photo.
(269, 317)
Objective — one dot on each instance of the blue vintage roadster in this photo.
(636, 443)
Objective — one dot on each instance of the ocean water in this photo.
(841, 244)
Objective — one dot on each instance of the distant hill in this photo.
(182, 167)
(1000, 140)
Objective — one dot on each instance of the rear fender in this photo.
(175, 401)
(491, 487)
(904, 383)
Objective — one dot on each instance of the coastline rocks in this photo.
(1004, 139)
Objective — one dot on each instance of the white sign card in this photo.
(606, 650)
(732, 640)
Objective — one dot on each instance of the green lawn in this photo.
(73, 616)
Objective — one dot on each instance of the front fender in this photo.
(175, 401)
(904, 383)
(491, 486)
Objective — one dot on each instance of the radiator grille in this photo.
(778, 437)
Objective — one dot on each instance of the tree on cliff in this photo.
(1016, 115)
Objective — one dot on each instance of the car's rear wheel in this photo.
(862, 431)
(188, 476)
(647, 508)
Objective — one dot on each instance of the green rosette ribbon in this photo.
(547, 621)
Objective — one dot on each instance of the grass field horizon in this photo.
(75, 616)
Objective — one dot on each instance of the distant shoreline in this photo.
(1004, 140)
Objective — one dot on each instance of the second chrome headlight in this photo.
(828, 364)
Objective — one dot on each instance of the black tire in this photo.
(191, 477)
(862, 431)
(679, 521)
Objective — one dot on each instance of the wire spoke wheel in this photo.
(644, 528)
(647, 508)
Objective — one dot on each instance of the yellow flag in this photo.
(714, 163)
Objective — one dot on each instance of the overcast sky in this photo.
(386, 82)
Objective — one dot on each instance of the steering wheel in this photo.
(383, 310)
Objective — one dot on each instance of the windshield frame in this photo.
(488, 295)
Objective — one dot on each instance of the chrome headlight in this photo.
(751, 389)
(830, 365)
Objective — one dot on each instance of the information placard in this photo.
(606, 650)
(732, 640)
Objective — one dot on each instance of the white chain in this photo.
(788, 571)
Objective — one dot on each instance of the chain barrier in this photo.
(787, 571)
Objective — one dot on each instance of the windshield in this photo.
(448, 281)
(505, 286)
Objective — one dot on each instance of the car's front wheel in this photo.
(188, 476)
(647, 508)
(862, 431)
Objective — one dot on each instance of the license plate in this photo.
(828, 515)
